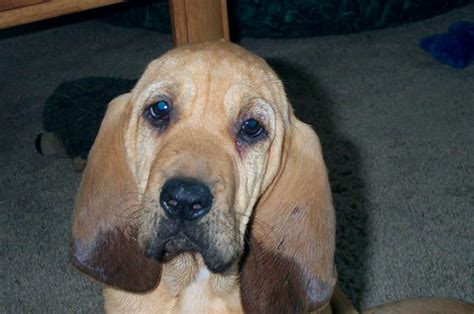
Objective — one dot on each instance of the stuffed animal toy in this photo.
(72, 116)
(455, 48)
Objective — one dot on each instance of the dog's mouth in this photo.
(163, 250)
(173, 238)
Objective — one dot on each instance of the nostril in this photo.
(197, 206)
(172, 202)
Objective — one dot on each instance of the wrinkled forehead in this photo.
(215, 74)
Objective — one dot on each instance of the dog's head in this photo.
(203, 154)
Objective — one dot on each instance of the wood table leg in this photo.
(195, 21)
(16, 12)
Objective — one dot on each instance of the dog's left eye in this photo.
(251, 130)
(159, 113)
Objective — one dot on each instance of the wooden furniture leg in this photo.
(16, 12)
(195, 21)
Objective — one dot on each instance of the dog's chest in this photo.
(204, 293)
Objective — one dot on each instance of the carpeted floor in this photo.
(396, 126)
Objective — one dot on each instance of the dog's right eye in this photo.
(159, 113)
(251, 131)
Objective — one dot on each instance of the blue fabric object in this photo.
(455, 48)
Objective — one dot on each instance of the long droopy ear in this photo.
(104, 243)
(290, 263)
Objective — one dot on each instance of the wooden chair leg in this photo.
(194, 21)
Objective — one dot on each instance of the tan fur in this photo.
(340, 304)
(294, 232)
(265, 189)
(424, 306)
(270, 234)
(181, 290)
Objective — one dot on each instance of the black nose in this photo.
(185, 198)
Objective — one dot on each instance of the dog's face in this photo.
(202, 125)
(205, 145)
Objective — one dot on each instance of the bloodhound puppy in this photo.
(204, 193)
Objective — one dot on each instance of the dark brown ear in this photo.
(290, 263)
(104, 243)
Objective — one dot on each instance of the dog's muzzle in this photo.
(185, 202)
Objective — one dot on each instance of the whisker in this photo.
(132, 213)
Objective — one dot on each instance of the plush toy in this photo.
(72, 116)
(455, 48)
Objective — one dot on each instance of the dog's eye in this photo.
(159, 113)
(160, 110)
(251, 130)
